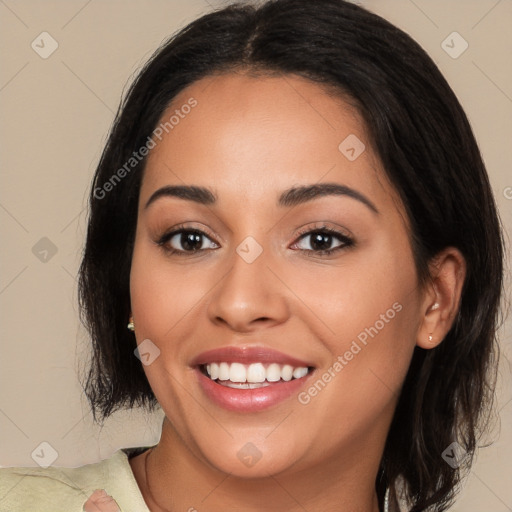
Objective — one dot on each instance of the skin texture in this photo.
(248, 139)
(101, 501)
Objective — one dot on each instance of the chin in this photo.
(254, 458)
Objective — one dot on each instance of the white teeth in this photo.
(237, 373)
(287, 372)
(255, 375)
(224, 371)
(213, 370)
(297, 373)
(244, 385)
(273, 372)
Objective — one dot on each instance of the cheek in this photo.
(162, 293)
(370, 354)
(367, 284)
(162, 299)
(368, 315)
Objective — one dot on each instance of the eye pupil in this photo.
(321, 241)
(189, 240)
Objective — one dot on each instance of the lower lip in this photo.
(250, 400)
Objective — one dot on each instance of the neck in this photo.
(178, 480)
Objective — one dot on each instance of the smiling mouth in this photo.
(252, 376)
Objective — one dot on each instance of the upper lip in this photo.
(247, 355)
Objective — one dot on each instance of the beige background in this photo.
(55, 114)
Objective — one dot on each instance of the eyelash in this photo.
(346, 241)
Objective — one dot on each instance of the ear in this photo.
(442, 297)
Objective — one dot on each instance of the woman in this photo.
(294, 250)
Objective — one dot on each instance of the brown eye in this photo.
(185, 241)
(320, 241)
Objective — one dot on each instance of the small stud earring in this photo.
(435, 306)
(430, 337)
(131, 325)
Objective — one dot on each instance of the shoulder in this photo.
(67, 489)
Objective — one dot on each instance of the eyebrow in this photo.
(290, 197)
(302, 194)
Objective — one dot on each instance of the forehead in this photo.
(258, 135)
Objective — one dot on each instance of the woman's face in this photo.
(250, 277)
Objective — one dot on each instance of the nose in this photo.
(249, 296)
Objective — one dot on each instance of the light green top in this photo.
(54, 489)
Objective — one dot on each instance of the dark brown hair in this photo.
(425, 143)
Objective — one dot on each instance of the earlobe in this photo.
(442, 297)
(131, 324)
(429, 333)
